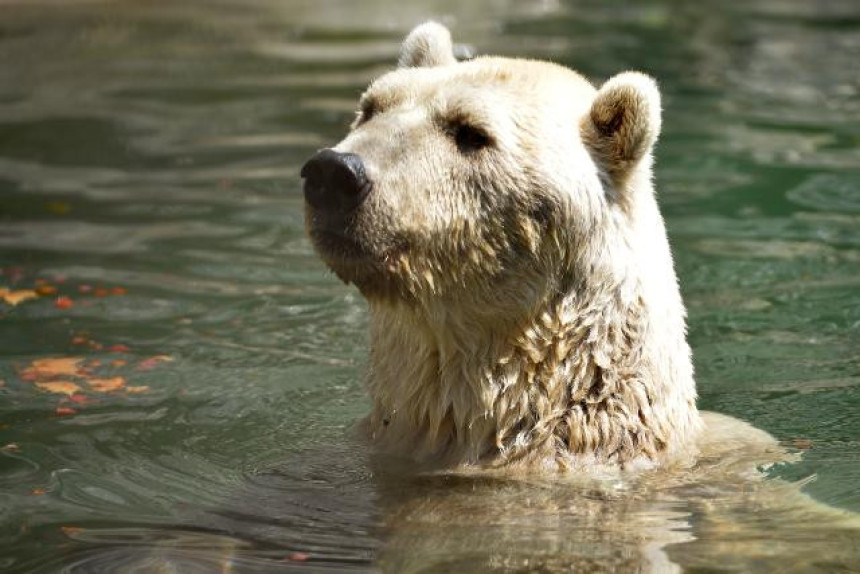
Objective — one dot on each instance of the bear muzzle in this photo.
(335, 183)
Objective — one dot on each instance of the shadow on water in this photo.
(178, 372)
(348, 512)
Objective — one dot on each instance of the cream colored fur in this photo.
(524, 307)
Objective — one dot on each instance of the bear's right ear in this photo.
(427, 45)
(622, 125)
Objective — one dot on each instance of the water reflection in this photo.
(155, 147)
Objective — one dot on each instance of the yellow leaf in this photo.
(15, 297)
(138, 389)
(52, 367)
(106, 385)
(59, 387)
(58, 207)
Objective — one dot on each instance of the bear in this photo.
(499, 216)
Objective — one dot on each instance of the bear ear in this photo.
(622, 125)
(427, 45)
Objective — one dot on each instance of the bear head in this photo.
(482, 185)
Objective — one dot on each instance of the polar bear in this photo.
(500, 219)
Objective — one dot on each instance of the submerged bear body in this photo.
(500, 219)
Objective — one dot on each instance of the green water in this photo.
(154, 147)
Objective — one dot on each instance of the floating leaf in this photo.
(52, 367)
(63, 302)
(58, 207)
(79, 398)
(46, 290)
(152, 362)
(11, 447)
(118, 291)
(60, 387)
(15, 297)
(106, 385)
(37, 491)
(298, 556)
(119, 349)
(118, 363)
(85, 288)
(138, 389)
(64, 411)
(101, 292)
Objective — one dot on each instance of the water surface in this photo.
(149, 193)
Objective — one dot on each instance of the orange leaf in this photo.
(52, 367)
(46, 290)
(37, 491)
(59, 387)
(106, 385)
(15, 297)
(71, 530)
(118, 363)
(62, 411)
(119, 291)
(138, 389)
(63, 302)
(298, 556)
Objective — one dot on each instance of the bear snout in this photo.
(335, 182)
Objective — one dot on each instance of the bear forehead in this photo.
(517, 80)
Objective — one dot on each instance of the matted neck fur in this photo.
(499, 217)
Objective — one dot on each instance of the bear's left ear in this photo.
(427, 45)
(622, 125)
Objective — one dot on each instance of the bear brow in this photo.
(458, 112)
(378, 100)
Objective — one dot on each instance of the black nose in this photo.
(335, 182)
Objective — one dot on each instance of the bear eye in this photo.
(470, 138)
(367, 111)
